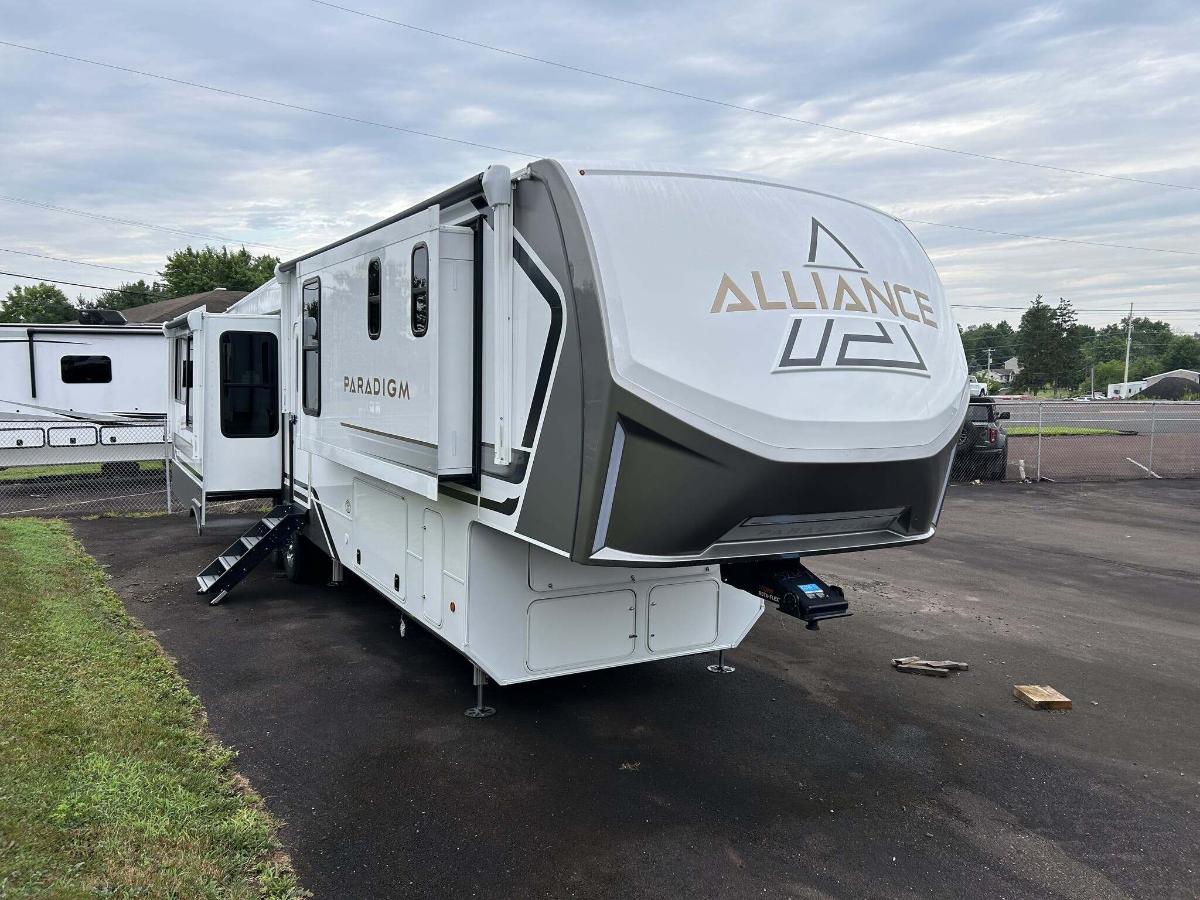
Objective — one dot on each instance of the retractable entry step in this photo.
(235, 562)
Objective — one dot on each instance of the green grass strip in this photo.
(29, 473)
(1056, 431)
(109, 783)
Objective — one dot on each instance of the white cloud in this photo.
(1104, 87)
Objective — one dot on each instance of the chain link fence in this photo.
(1078, 440)
(60, 467)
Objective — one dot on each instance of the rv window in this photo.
(86, 369)
(374, 299)
(311, 330)
(420, 290)
(249, 384)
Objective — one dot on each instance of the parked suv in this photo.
(982, 450)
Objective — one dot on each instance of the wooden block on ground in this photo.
(918, 669)
(1041, 696)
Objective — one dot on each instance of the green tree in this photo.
(1110, 371)
(191, 271)
(977, 339)
(39, 302)
(1182, 352)
(1149, 338)
(129, 295)
(1050, 345)
(1068, 357)
(1037, 345)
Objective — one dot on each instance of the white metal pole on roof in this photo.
(1128, 344)
(497, 190)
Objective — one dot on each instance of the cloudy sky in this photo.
(1109, 88)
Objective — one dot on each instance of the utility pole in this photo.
(1092, 395)
(1128, 344)
(990, 350)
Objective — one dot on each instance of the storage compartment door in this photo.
(13, 437)
(381, 536)
(683, 616)
(72, 436)
(584, 630)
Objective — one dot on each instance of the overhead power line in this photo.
(1125, 310)
(429, 134)
(954, 305)
(1041, 237)
(78, 284)
(77, 262)
(103, 218)
(699, 98)
(267, 100)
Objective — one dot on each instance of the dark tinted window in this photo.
(249, 384)
(311, 338)
(420, 290)
(982, 412)
(374, 299)
(188, 382)
(86, 370)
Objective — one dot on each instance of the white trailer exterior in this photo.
(81, 394)
(549, 414)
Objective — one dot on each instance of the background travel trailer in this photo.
(81, 394)
(573, 418)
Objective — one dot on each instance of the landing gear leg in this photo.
(479, 711)
(719, 666)
(335, 573)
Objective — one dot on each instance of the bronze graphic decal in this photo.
(815, 342)
(849, 293)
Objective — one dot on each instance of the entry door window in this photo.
(249, 384)
(311, 339)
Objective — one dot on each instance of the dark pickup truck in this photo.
(982, 449)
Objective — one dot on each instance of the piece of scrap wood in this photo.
(1041, 696)
(919, 668)
(939, 667)
(923, 670)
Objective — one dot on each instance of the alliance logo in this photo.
(871, 328)
(853, 292)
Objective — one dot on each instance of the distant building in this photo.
(1003, 376)
(217, 300)
(1123, 390)
(1014, 365)
(1189, 374)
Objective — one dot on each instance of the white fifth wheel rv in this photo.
(570, 418)
(81, 393)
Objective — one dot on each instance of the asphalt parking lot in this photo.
(815, 770)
